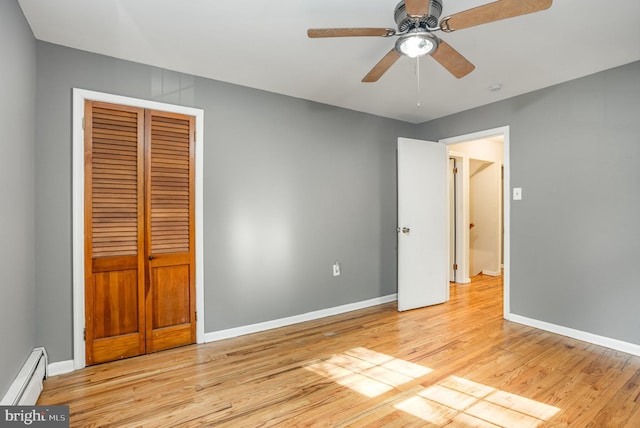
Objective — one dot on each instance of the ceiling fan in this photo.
(417, 20)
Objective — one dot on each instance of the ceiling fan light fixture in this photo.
(416, 43)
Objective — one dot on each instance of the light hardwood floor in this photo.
(457, 364)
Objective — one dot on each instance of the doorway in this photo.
(481, 174)
(155, 268)
(463, 220)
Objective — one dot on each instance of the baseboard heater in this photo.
(26, 388)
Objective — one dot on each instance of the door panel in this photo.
(116, 303)
(170, 222)
(172, 316)
(114, 232)
(170, 295)
(422, 224)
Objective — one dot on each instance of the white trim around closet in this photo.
(79, 97)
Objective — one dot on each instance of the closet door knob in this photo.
(150, 257)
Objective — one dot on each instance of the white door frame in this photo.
(462, 217)
(79, 98)
(504, 131)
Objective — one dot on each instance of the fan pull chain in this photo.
(418, 77)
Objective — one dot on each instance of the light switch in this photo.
(517, 193)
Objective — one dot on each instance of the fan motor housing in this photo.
(430, 20)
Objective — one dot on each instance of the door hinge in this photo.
(84, 334)
(196, 314)
(455, 170)
(455, 267)
(83, 123)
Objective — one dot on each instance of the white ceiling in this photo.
(263, 44)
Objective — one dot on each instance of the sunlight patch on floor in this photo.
(454, 399)
(476, 404)
(367, 372)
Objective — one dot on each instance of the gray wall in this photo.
(290, 186)
(17, 176)
(575, 236)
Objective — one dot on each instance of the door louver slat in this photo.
(170, 174)
(114, 183)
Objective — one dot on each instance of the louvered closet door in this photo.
(139, 231)
(114, 232)
(170, 301)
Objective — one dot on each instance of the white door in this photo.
(422, 224)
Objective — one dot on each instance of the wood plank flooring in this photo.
(458, 364)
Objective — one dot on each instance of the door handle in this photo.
(406, 230)
(150, 257)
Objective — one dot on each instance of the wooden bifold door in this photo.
(139, 231)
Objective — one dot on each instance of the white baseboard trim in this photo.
(310, 316)
(61, 367)
(618, 345)
(491, 272)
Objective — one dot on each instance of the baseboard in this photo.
(310, 316)
(61, 367)
(491, 273)
(607, 342)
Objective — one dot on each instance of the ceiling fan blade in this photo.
(492, 12)
(382, 66)
(451, 59)
(350, 32)
(416, 7)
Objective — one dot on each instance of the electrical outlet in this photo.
(517, 193)
(336, 269)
